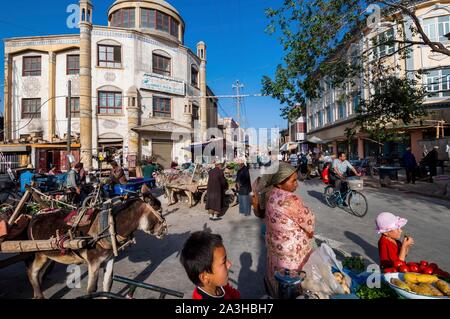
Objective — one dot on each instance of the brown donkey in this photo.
(137, 215)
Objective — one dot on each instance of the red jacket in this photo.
(389, 252)
(230, 294)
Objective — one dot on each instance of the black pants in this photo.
(340, 184)
(411, 175)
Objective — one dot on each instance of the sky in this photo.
(234, 31)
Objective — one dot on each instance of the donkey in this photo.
(139, 214)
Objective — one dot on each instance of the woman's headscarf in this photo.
(267, 182)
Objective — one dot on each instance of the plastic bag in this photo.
(319, 274)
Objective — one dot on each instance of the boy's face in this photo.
(395, 234)
(220, 267)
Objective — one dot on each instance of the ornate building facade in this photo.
(134, 83)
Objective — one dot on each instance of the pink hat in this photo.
(388, 221)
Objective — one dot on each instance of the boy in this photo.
(205, 260)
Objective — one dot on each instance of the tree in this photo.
(318, 37)
(396, 103)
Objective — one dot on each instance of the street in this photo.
(157, 261)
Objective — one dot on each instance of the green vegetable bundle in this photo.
(385, 292)
(355, 264)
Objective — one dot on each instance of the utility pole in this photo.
(238, 86)
(69, 124)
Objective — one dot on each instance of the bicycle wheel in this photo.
(329, 196)
(357, 203)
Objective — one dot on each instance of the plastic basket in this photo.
(356, 185)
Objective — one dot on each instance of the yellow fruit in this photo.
(411, 278)
(434, 290)
(444, 287)
(400, 284)
(427, 279)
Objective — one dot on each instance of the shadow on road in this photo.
(319, 196)
(369, 250)
(156, 251)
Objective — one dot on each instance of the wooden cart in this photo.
(14, 222)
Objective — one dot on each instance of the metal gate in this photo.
(8, 160)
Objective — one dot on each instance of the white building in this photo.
(134, 83)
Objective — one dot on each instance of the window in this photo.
(380, 50)
(154, 19)
(31, 108)
(311, 121)
(74, 107)
(342, 113)
(161, 65)
(124, 18)
(195, 112)
(320, 114)
(438, 82)
(162, 107)
(436, 28)
(162, 21)
(73, 64)
(109, 56)
(32, 66)
(148, 18)
(174, 26)
(329, 114)
(356, 102)
(109, 102)
(194, 76)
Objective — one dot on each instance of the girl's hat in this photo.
(388, 221)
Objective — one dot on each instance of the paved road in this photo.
(157, 261)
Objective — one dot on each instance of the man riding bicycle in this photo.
(339, 173)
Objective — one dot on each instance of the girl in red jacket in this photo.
(390, 247)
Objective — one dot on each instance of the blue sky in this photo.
(238, 47)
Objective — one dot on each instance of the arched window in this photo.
(109, 54)
(154, 19)
(124, 18)
(162, 63)
(194, 75)
(110, 101)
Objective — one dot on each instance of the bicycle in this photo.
(356, 201)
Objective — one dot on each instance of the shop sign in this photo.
(159, 83)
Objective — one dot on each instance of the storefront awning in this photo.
(316, 140)
(291, 146)
(14, 149)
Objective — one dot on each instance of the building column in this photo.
(133, 113)
(416, 136)
(7, 98)
(85, 85)
(51, 96)
(335, 148)
(360, 147)
(201, 53)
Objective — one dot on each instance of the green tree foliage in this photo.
(319, 38)
(395, 103)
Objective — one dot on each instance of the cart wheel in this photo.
(89, 202)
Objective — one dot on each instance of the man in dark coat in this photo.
(244, 187)
(217, 186)
(432, 161)
(410, 165)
